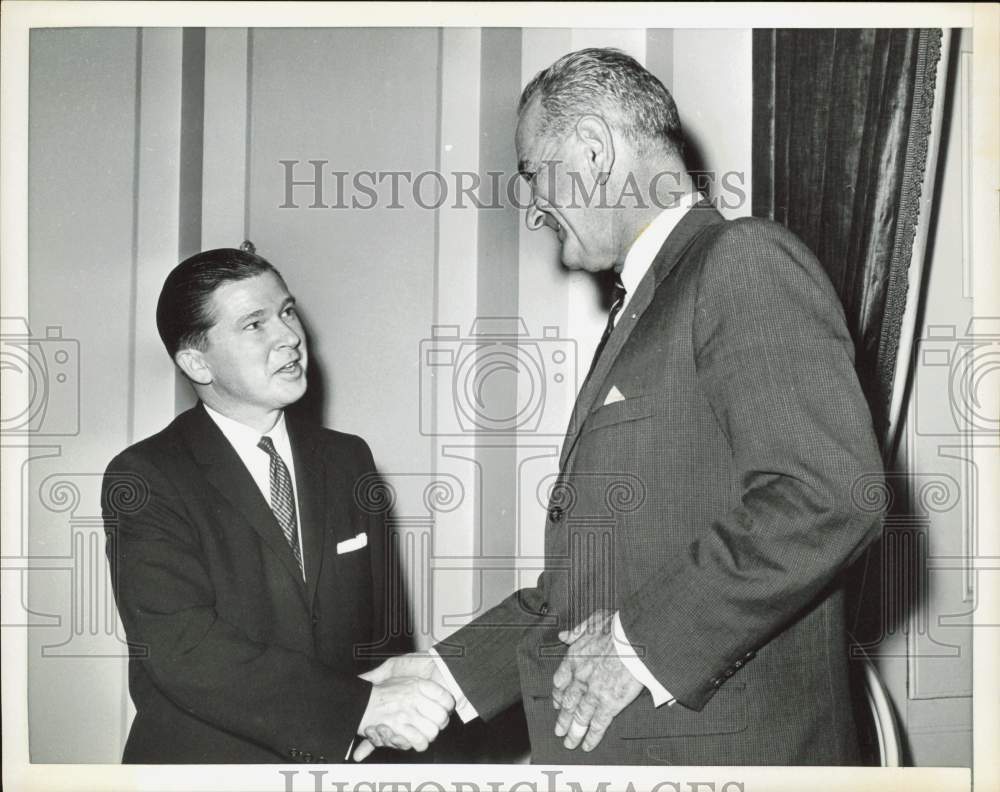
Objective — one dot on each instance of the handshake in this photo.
(410, 702)
(408, 708)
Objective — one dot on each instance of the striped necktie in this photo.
(282, 498)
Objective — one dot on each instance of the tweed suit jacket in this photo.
(234, 657)
(712, 507)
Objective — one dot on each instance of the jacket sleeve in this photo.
(482, 656)
(775, 361)
(276, 697)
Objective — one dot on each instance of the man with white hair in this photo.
(690, 611)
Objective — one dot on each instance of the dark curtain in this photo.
(840, 126)
(841, 120)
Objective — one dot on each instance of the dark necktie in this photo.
(282, 498)
(618, 292)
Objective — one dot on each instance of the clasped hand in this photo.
(409, 706)
(591, 685)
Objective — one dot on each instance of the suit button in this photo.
(716, 683)
(544, 608)
(730, 672)
(738, 664)
(315, 619)
(322, 760)
(749, 655)
(307, 757)
(555, 514)
(293, 753)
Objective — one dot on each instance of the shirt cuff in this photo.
(636, 667)
(463, 707)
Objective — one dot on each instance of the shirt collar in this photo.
(243, 437)
(640, 256)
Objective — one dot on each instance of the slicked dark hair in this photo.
(610, 83)
(183, 312)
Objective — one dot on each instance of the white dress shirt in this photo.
(638, 260)
(244, 441)
(643, 252)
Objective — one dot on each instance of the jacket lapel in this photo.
(701, 215)
(310, 482)
(225, 471)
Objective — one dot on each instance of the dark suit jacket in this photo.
(236, 659)
(713, 507)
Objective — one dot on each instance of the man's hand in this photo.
(414, 664)
(413, 668)
(591, 685)
(404, 712)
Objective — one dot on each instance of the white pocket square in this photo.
(614, 395)
(349, 545)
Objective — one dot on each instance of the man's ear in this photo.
(595, 136)
(192, 363)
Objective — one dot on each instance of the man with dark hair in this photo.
(248, 578)
(690, 611)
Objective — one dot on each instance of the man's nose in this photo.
(534, 218)
(289, 335)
